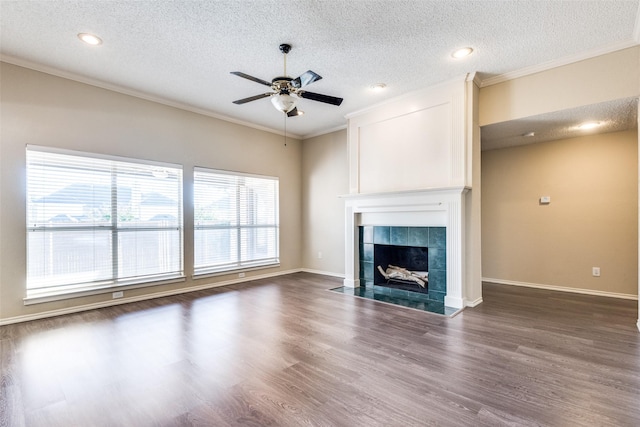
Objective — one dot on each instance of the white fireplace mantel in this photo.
(436, 207)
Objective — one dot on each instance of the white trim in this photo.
(562, 61)
(100, 156)
(324, 132)
(204, 169)
(109, 303)
(436, 208)
(561, 288)
(135, 93)
(351, 283)
(473, 303)
(475, 78)
(83, 291)
(416, 94)
(324, 273)
(238, 270)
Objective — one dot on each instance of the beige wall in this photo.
(592, 219)
(325, 177)
(41, 109)
(591, 81)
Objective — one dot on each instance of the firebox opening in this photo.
(412, 258)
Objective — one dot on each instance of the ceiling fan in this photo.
(286, 91)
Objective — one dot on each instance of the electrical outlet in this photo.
(240, 274)
(118, 294)
(595, 271)
(319, 255)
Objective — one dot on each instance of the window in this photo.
(96, 221)
(236, 221)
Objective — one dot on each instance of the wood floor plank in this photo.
(285, 351)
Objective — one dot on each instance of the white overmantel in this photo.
(441, 207)
(417, 141)
(411, 163)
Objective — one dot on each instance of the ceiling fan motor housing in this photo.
(282, 85)
(285, 48)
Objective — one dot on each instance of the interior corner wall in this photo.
(591, 81)
(473, 202)
(45, 110)
(592, 220)
(325, 177)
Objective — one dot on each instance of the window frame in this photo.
(240, 264)
(114, 228)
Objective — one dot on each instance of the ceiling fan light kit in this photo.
(283, 102)
(286, 90)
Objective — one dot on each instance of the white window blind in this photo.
(236, 221)
(94, 221)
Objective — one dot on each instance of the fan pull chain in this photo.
(285, 128)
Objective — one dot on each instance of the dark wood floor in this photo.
(285, 352)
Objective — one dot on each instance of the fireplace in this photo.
(432, 218)
(412, 163)
(419, 249)
(390, 261)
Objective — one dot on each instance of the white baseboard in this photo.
(324, 273)
(473, 303)
(126, 300)
(561, 288)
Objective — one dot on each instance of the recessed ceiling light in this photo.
(90, 39)
(589, 125)
(529, 134)
(461, 53)
(378, 87)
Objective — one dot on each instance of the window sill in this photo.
(43, 297)
(235, 270)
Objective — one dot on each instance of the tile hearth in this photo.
(406, 299)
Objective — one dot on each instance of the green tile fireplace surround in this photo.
(433, 238)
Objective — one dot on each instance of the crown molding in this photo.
(475, 78)
(408, 95)
(324, 132)
(562, 61)
(137, 94)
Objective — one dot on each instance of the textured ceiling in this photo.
(182, 52)
(613, 116)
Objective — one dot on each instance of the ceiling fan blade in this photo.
(304, 79)
(252, 98)
(294, 112)
(319, 97)
(253, 79)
